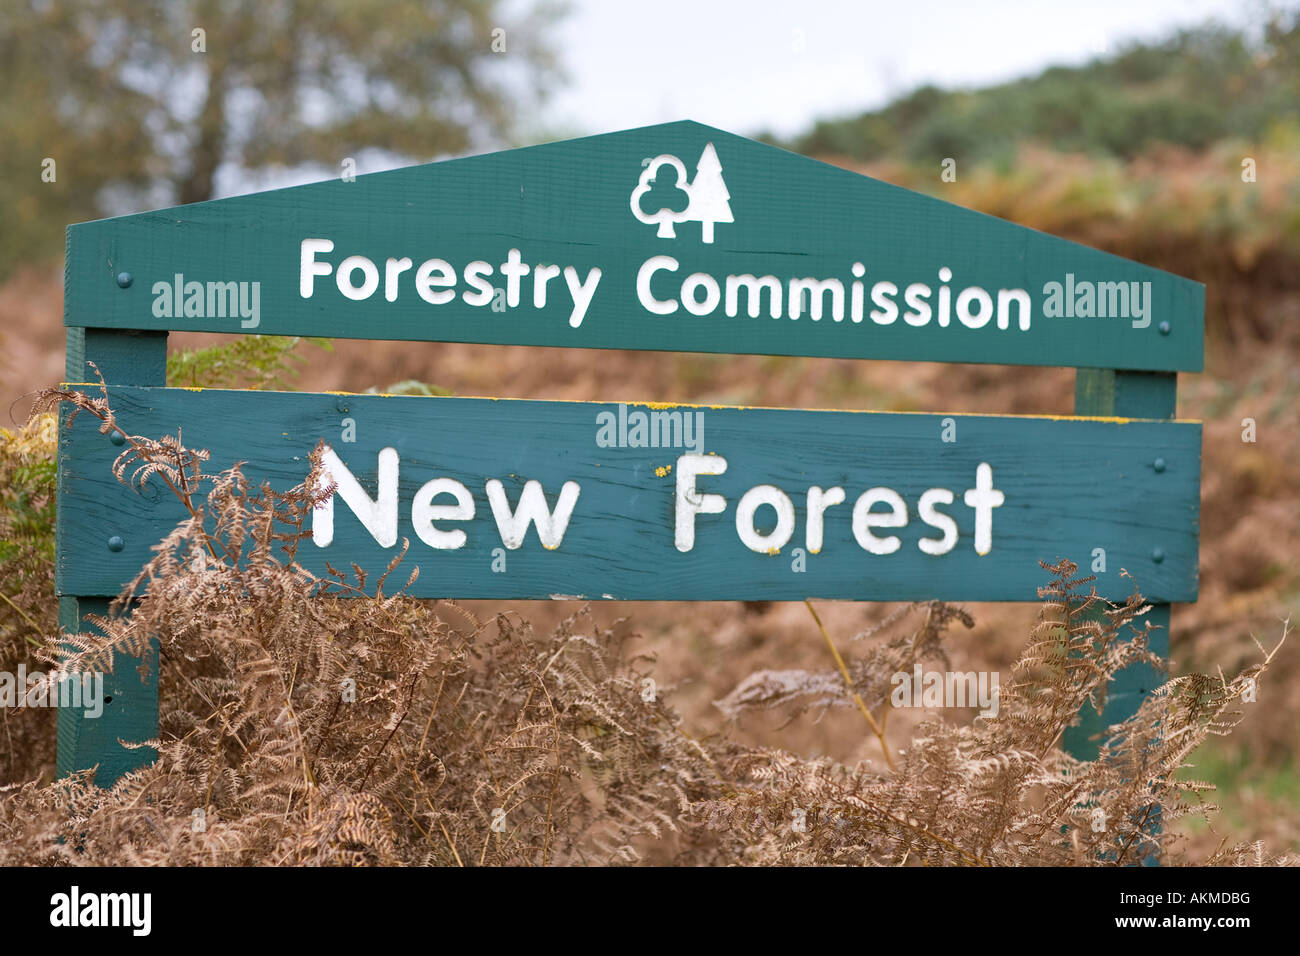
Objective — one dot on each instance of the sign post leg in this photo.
(130, 703)
(1127, 395)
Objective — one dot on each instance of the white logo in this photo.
(75, 908)
(704, 200)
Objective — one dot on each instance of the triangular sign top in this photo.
(677, 237)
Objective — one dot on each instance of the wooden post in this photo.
(1126, 395)
(130, 699)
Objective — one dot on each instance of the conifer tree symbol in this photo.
(707, 198)
(710, 201)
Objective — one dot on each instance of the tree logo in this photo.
(665, 200)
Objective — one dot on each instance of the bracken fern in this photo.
(331, 720)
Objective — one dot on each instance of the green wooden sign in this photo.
(522, 499)
(673, 237)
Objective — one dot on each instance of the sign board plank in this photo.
(676, 237)
(1045, 487)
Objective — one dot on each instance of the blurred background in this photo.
(1166, 132)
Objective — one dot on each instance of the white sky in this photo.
(736, 64)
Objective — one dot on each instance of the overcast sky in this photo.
(753, 65)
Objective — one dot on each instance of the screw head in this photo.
(116, 543)
(1164, 328)
(1157, 555)
(116, 438)
(341, 405)
(1158, 464)
(124, 280)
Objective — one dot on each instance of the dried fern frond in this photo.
(316, 720)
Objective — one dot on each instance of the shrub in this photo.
(28, 610)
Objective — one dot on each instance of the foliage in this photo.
(1191, 214)
(27, 485)
(1192, 89)
(28, 478)
(409, 386)
(136, 111)
(469, 743)
(999, 791)
(251, 361)
(28, 610)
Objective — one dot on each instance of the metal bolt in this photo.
(124, 280)
(117, 438)
(1158, 555)
(1158, 464)
(1164, 328)
(341, 405)
(115, 543)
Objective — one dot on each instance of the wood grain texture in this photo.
(568, 203)
(130, 708)
(1112, 392)
(1070, 485)
(132, 712)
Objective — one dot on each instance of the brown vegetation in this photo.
(471, 743)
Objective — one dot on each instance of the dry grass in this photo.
(487, 743)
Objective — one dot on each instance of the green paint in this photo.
(132, 714)
(130, 710)
(1125, 394)
(1096, 488)
(123, 358)
(569, 206)
(1109, 392)
(1150, 395)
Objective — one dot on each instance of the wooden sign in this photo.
(523, 499)
(675, 237)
